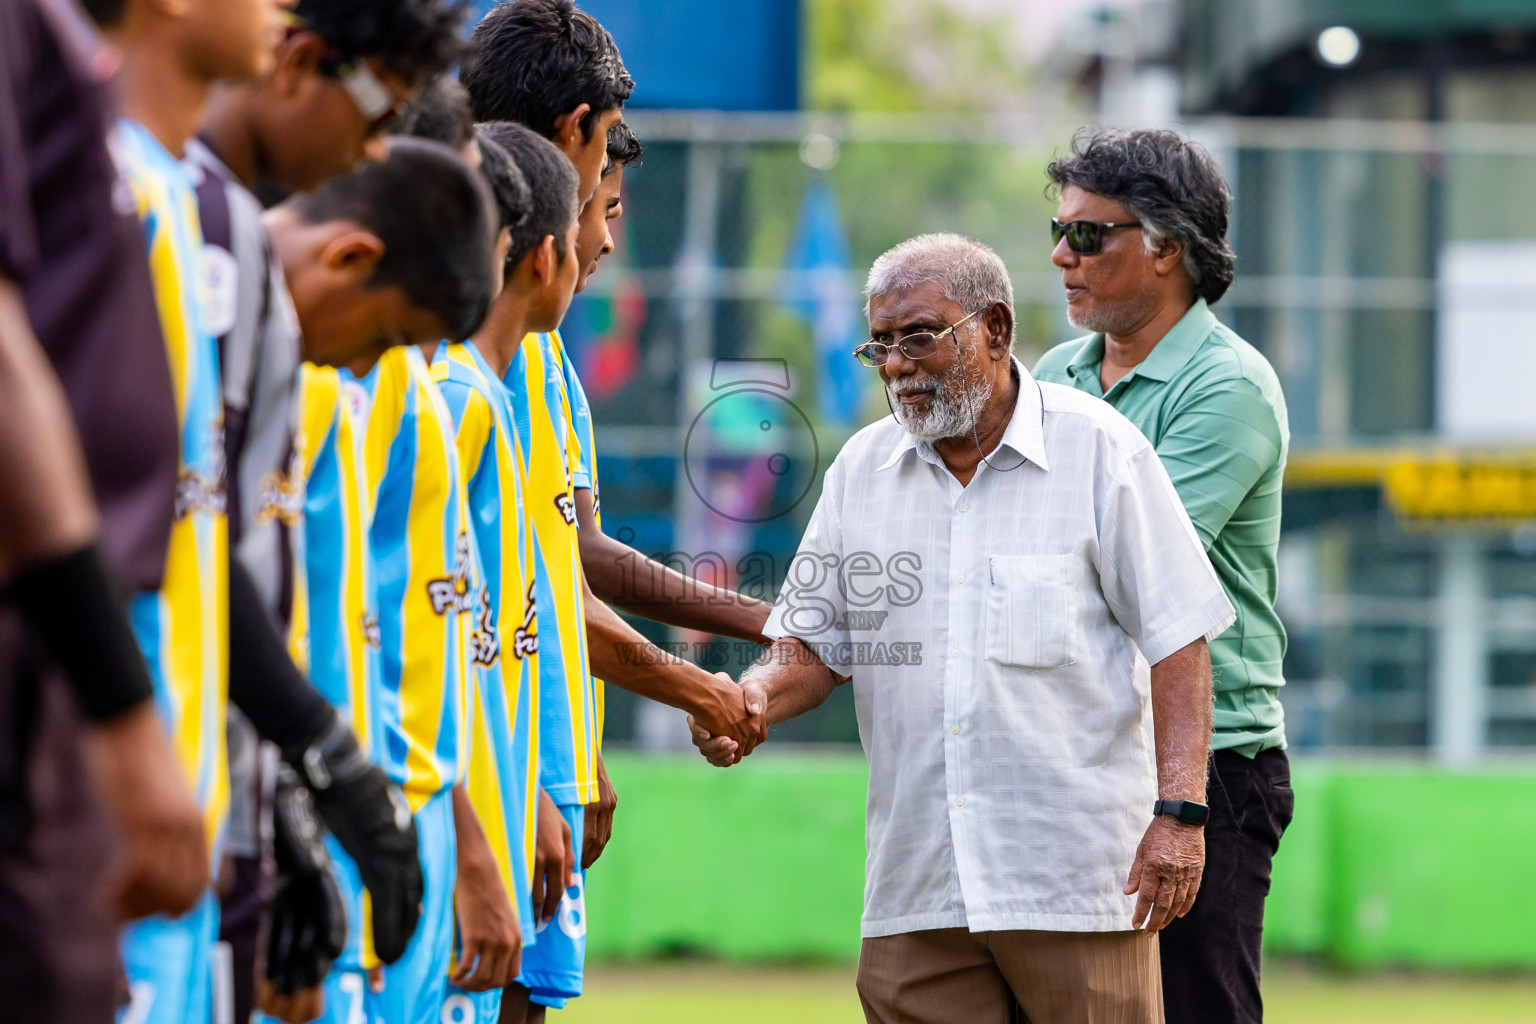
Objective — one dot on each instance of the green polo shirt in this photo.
(1211, 406)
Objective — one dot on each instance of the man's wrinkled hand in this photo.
(161, 863)
(722, 751)
(554, 859)
(598, 828)
(1166, 872)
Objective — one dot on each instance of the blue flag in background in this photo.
(818, 291)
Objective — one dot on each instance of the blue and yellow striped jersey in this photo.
(582, 457)
(503, 765)
(333, 632)
(183, 628)
(426, 575)
(568, 723)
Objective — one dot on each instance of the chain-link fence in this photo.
(1385, 268)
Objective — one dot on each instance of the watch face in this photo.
(1193, 813)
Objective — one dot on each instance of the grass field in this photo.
(703, 994)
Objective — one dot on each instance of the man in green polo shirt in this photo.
(1140, 233)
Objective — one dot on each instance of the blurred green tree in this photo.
(908, 55)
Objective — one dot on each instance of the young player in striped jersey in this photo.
(542, 272)
(553, 68)
(205, 632)
(386, 576)
(502, 782)
(182, 628)
(343, 69)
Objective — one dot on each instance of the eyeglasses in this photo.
(914, 346)
(1084, 237)
(374, 101)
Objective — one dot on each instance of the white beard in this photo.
(949, 413)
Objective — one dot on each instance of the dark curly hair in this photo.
(534, 61)
(1171, 185)
(415, 39)
(624, 147)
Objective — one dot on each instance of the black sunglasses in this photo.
(1084, 237)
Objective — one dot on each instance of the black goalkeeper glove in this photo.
(369, 816)
(307, 929)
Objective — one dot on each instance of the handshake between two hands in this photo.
(734, 722)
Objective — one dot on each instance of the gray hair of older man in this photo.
(967, 272)
(1173, 186)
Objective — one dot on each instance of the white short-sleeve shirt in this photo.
(999, 637)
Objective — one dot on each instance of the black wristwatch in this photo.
(1187, 811)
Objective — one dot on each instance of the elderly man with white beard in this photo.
(1036, 792)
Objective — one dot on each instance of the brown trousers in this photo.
(953, 976)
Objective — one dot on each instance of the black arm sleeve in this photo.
(264, 682)
(72, 606)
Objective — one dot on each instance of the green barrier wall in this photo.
(1389, 863)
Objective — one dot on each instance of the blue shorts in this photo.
(552, 969)
(462, 1007)
(169, 966)
(416, 984)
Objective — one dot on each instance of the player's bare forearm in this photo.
(45, 495)
(471, 845)
(626, 579)
(620, 655)
(489, 933)
(1181, 721)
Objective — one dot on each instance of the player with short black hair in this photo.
(552, 67)
(436, 229)
(336, 80)
(330, 247)
(578, 633)
(494, 919)
(552, 207)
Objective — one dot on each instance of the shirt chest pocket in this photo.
(1031, 610)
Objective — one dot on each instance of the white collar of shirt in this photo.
(1025, 432)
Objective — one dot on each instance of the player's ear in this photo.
(298, 58)
(568, 127)
(353, 252)
(544, 260)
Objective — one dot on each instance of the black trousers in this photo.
(1211, 955)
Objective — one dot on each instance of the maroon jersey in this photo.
(70, 243)
(77, 254)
